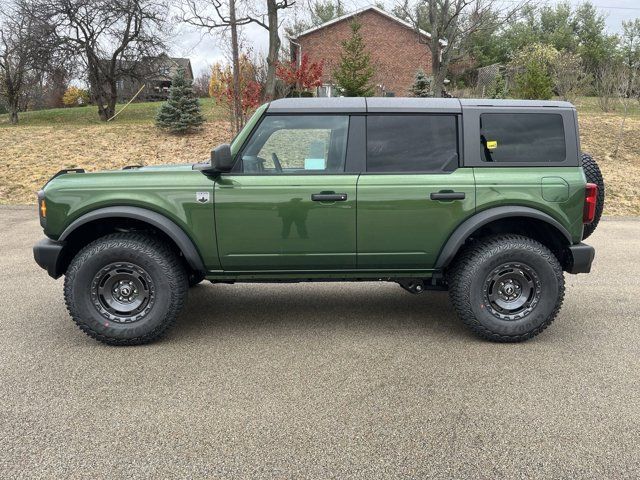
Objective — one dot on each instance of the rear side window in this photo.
(412, 143)
(522, 137)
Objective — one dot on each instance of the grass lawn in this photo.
(135, 113)
(48, 140)
(589, 105)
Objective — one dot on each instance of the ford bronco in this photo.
(489, 199)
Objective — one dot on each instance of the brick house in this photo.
(397, 49)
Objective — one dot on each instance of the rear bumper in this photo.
(48, 253)
(582, 256)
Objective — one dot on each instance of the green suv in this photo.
(488, 199)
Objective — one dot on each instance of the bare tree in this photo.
(272, 26)
(201, 83)
(569, 75)
(26, 51)
(630, 49)
(606, 84)
(54, 83)
(217, 15)
(231, 14)
(111, 37)
(312, 13)
(626, 81)
(452, 25)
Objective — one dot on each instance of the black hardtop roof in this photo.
(398, 104)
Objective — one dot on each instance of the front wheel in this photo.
(125, 289)
(506, 288)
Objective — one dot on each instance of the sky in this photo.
(205, 49)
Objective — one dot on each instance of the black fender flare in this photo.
(155, 219)
(470, 225)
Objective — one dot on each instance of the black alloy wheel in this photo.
(512, 291)
(123, 292)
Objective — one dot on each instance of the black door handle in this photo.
(447, 196)
(329, 197)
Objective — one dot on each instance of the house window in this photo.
(120, 85)
(164, 71)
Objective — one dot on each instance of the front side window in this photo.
(412, 143)
(297, 144)
(522, 137)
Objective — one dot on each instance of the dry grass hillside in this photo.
(598, 134)
(32, 154)
(47, 141)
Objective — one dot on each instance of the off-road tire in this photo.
(167, 282)
(471, 271)
(594, 175)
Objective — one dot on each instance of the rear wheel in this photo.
(594, 175)
(506, 288)
(125, 289)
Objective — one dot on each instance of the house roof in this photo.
(362, 10)
(182, 62)
(166, 59)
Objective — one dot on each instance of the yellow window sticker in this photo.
(491, 144)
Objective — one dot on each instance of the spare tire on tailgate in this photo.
(594, 175)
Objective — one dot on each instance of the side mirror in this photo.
(221, 158)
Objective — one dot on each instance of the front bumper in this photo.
(581, 258)
(48, 254)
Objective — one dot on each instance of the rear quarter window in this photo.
(522, 137)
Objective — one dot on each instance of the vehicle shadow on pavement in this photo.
(371, 306)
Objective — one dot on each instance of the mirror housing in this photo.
(221, 161)
(221, 158)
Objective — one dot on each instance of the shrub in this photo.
(534, 71)
(498, 88)
(75, 97)
(300, 79)
(421, 85)
(222, 89)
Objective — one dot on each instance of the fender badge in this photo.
(202, 197)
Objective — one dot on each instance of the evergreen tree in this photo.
(497, 88)
(534, 83)
(421, 85)
(181, 112)
(534, 71)
(354, 70)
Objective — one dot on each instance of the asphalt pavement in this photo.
(321, 380)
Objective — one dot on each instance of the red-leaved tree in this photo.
(221, 87)
(301, 77)
(251, 97)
